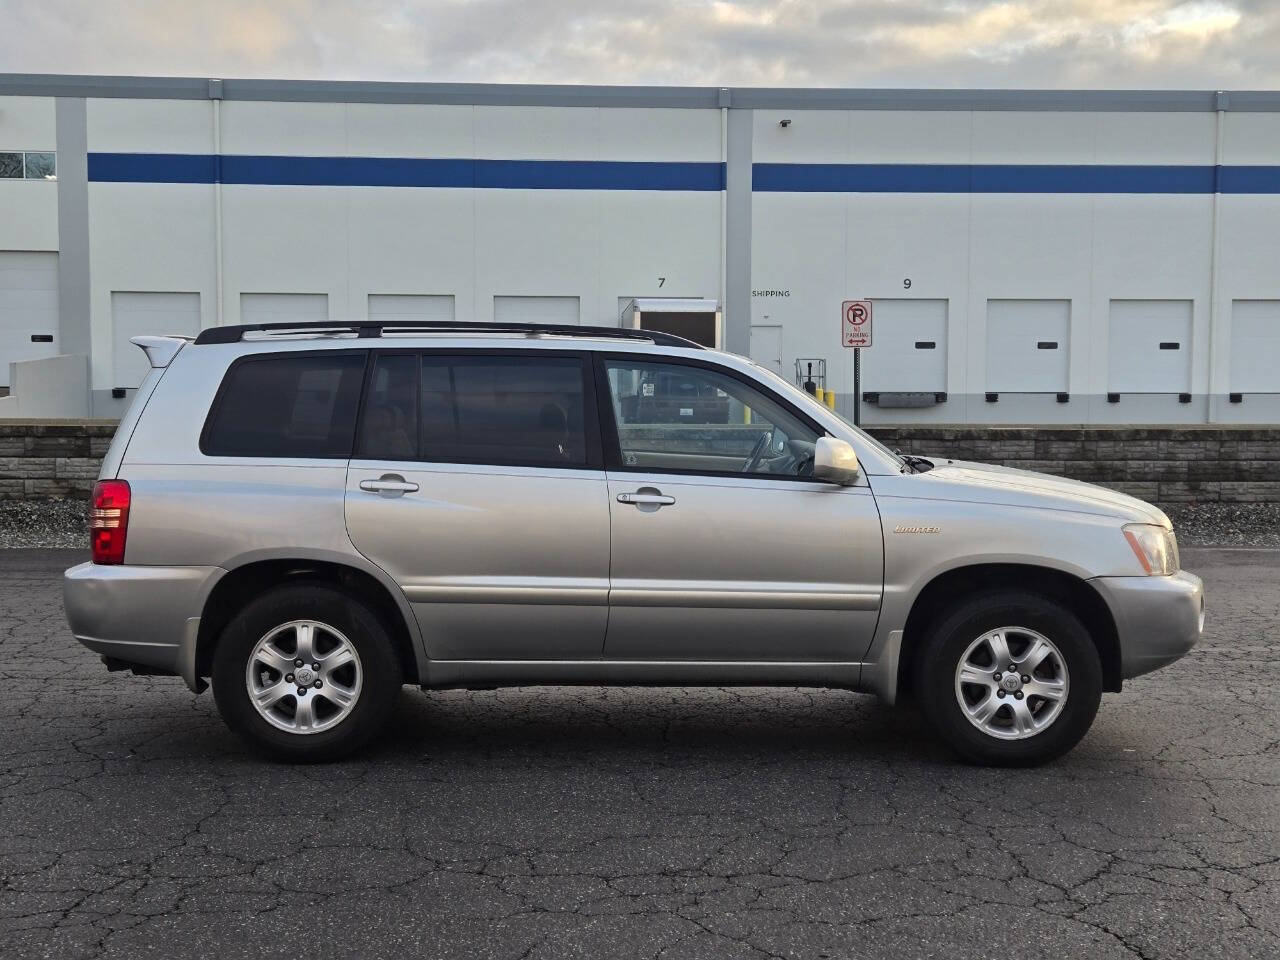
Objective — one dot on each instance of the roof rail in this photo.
(367, 329)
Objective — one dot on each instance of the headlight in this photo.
(1155, 547)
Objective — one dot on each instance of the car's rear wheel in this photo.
(1009, 678)
(306, 673)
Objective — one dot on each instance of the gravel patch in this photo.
(60, 523)
(1226, 524)
(43, 523)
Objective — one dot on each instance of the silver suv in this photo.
(313, 515)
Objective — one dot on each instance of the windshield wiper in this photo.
(917, 464)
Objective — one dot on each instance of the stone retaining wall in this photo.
(1160, 464)
(46, 459)
(52, 459)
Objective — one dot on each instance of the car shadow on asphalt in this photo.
(585, 722)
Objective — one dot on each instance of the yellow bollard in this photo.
(831, 399)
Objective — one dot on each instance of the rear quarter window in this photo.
(290, 406)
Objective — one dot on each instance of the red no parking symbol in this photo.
(855, 324)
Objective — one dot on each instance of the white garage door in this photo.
(28, 308)
(283, 307)
(909, 350)
(147, 314)
(536, 310)
(1027, 345)
(1150, 346)
(1255, 346)
(409, 307)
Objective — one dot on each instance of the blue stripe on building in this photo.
(1009, 178)
(676, 176)
(405, 172)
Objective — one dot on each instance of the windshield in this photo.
(891, 454)
(797, 393)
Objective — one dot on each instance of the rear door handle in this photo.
(646, 499)
(389, 484)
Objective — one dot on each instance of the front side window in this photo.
(287, 407)
(687, 418)
(483, 409)
(10, 165)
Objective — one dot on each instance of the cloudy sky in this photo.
(973, 43)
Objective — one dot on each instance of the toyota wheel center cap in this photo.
(305, 676)
(1011, 682)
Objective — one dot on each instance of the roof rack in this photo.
(368, 329)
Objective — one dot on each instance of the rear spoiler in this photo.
(160, 351)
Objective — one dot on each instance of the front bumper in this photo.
(1158, 619)
(147, 616)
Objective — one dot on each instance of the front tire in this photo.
(997, 717)
(306, 673)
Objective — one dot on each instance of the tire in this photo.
(1024, 730)
(347, 640)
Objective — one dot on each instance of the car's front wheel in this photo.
(1009, 678)
(306, 673)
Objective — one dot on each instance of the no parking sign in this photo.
(855, 324)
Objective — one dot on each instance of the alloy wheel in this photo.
(304, 677)
(1012, 683)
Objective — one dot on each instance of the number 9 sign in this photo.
(855, 327)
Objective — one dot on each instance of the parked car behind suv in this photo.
(311, 516)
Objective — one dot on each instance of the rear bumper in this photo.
(1158, 619)
(148, 616)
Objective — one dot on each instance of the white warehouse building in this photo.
(1031, 256)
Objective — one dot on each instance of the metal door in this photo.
(766, 346)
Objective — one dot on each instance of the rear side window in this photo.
(294, 406)
(525, 411)
(390, 427)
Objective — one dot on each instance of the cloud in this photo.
(1007, 43)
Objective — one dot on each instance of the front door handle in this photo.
(389, 484)
(646, 499)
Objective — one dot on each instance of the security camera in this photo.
(784, 123)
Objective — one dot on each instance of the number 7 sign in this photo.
(855, 323)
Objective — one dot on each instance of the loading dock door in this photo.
(283, 307)
(147, 314)
(28, 308)
(1027, 345)
(557, 310)
(1255, 346)
(1149, 348)
(910, 352)
(410, 307)
(689, 317)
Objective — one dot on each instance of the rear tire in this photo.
(990, 716)
(298, 713)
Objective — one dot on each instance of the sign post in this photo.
(855, 333)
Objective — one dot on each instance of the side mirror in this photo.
(835, 461)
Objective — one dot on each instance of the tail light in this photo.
(109, 520)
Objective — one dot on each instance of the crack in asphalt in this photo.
(665, 823)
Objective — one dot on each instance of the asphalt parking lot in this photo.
(650, 823)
